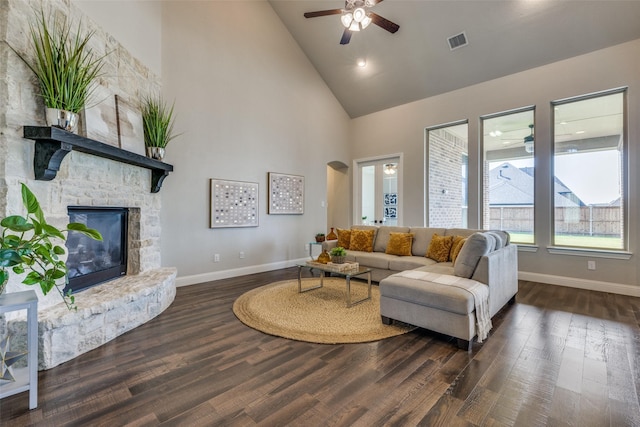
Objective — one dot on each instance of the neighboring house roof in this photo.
(512, 186)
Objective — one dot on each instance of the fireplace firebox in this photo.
(91, 262)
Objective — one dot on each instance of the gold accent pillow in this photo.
(456, 241)
(399, 244)
(439, 248)
(457, 246)
(362, 240)
(344, 238)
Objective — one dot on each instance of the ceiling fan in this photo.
(356, 17)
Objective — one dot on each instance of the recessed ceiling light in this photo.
(362, 63)
(579, 132)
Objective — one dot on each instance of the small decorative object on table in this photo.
(324, 257)
(320, 237)
(332, 235)
(338, 255)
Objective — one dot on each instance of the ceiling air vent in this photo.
(457, 41)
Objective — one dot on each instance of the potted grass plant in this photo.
(28, 245)
(157, 121)
(65, 66)
(338, 255)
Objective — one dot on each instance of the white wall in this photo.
(404, 125)
(136, 24)
(249, 102)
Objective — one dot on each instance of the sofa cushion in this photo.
(409, 262)
(383, 235)
(362, 240)
(502, 238)
(373, 259)
(399, 244)
(464, 232)
(421, 239)
(429, 294)
(438, 268)
(344, 238)
(477, 245)
(439, 248)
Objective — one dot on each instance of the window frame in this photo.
(623, 253)
(481, 125)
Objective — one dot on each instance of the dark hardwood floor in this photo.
(558, 357)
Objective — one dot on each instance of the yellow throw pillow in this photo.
(362, 240)
(439, 248)
(455, 250)
(399, 244)
(344, 238)
(456, 242)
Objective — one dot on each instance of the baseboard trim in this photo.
(235, 272)
(572, 282)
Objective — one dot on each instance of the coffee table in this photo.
(346, 274)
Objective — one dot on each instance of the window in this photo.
(508, 173)
(447, 169)
(588, 169)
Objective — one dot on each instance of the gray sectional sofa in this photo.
(441, 296)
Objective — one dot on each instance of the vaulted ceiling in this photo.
(504, 37)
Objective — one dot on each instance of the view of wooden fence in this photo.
(585, 221)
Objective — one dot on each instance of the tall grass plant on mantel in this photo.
(157, 121)
(65, 66)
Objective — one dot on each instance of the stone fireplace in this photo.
(114, 307)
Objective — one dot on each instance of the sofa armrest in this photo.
(327, 245)
(499, 270)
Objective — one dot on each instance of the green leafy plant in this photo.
(320, 235)
(157, 121)
(27, 245)
(64, 64)
(338, 251)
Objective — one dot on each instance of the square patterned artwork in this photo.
(234, 204)
(286, 194)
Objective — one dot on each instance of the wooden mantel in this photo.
(53, 144)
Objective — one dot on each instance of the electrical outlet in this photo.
(591, 265)
(241, 254)
(216, 258)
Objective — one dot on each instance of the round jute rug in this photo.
(318, 316)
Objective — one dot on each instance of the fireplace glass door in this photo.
(91, 262)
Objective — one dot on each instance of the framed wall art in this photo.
(234, 204)
(130, 128)
(286, 194)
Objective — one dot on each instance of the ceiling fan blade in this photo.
(322, 13)
(374, 2)
(381, 22)
(346, 36)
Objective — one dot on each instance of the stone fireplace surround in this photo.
(110, 309)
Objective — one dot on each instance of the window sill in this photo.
(522, 247)
(594, 253)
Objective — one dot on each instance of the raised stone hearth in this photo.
(104, 312)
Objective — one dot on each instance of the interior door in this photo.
(378, 191)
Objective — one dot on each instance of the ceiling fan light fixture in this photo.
(366, 21)
(528, 141)
(359, 14)
(355, 26)
(346, 19)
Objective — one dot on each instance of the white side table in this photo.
(26, 378)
